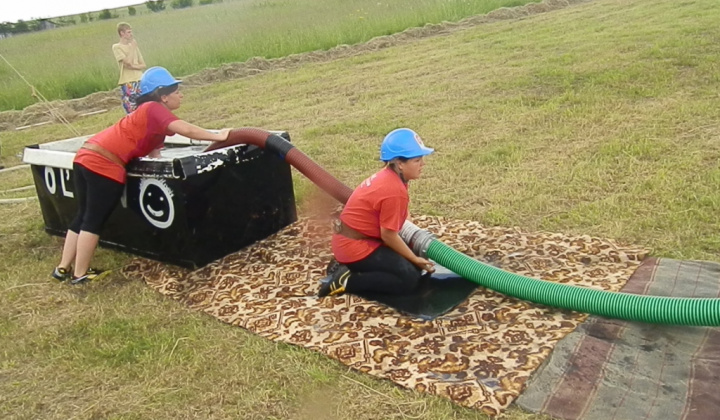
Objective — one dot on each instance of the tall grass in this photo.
(75, 61)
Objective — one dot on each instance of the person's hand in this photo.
(424, 264)
(224, 133)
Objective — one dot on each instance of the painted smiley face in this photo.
(156, 202)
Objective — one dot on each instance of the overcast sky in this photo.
(13, 10)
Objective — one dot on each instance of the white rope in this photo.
(53, 111)
(29, 187)
(13, 168)
(16, 200)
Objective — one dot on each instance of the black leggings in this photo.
(383, 271)
(96, 196)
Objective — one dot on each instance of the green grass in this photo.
(74, 61)
(597, 119)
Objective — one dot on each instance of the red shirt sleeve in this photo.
(159, 118)
(393, 212)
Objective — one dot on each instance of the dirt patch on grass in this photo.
(74, 108)
(49, 111)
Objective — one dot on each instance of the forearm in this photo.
(197, 133)
(128, 64)
(395, 242)
(134, 60)
(194, 132)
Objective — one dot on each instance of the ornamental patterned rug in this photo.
(480, 354)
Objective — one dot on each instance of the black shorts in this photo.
(96, 196)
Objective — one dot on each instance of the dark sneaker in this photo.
(92, 270)
(61, 274)
(338, 282)
(88, 277)
(332, 267)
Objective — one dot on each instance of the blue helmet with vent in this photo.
(403, 143)
(156, 77)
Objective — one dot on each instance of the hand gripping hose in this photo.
(651, 309)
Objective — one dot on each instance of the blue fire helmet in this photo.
(156, 77)
(403, 143)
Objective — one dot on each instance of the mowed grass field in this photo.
(600, 118)
(74, 61)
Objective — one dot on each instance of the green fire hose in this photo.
(651, 309)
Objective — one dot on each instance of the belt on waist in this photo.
(342, 229)
(112, 157)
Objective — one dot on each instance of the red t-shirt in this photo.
(379, 201)
(136, 135)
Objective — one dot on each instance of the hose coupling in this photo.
(417, 239)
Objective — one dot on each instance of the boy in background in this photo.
(131, 63)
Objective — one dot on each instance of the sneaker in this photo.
(88, 277)
(61, 274)
(338, 282)
(332, 267)
(92, 270)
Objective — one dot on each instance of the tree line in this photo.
(15, 28)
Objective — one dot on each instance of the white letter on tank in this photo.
(64, 177)
(50, 180)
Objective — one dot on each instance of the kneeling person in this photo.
(366, 243)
